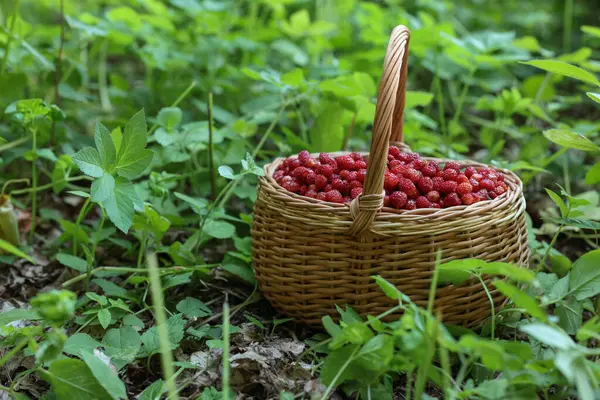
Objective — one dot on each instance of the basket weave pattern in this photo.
(310, 255)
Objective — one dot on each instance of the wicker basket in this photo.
(310, 255)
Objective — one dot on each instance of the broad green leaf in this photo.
(548, 335)
(334, 366)
(198, 204)
(390, 290)
(570, 315)
(242, 271)
(79, 343)
(585, 276)
(72, 380)
(327, 134)
(591, 30)
(417, 99)
(521, 299)
(594, 96)
(12, 249)
(110, 288)
(377, 353)
(117, 138)
(132, 158)
(175, 327)
(564, 69)
(558, 201)
(590, 329)
(105, 146)
(593, 175)
(219, 229)
(226, 172)
(102, 188)
(575, 222)
(154, 391)
(135, 164)
(104, 317)
(102, 300)
(169, 117)
(132, 320)
(18, 314)
(491, 353)
(457, 271)
(106, 376)
(570, 140)
(122, 203)
(122, 345)
(193, 308)
(89, 162)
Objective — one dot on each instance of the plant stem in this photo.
(103, 78)
(49, 185)
(339, 374)
(550, 246)
(489, 296)
(441, 115)
(225, 382)
(349, 133)
(423, 371)
(434, 281)
(568, 24)
(161, 320)
(14, 143)
(58, 66)
(176, 103)
(211, 166)
(409, 384)
(463, 95)
(80, 217)
(142, 250)
(33, 184)
(20, 346)
(13, 20)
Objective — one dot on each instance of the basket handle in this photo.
(387, 127)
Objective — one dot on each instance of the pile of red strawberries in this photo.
(410, 182)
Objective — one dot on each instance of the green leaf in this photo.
(154, 391)
(591, 30)
(570, 140)
(117, 138)
(594, 96)
(327, 134)
(132, 158)
(559, 202)
(193, 308)
(219, 229)
(226, 172)
(104, 317)
(18, 314)
(577, 223)
(417, 99)
(548, 335)
(570, 315)
(585, 276)
(105, 146)
(565, 69)
(135, 164)
(111, 288)
(169, 117)
(593, 175)
(175, 327)
(120, 205)
(102, 188)
(241, 271)
(72, 380)
(97, 298)
(390, 290)
(521, 299)
(122, 345)
(10, 248)
(106, 376)
(79, 343)
(89, 162)
(198, 204)
(334, 364)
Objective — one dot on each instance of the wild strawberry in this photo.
(278, 175)
(362, 173)
(398, 199)
(334, 196)
(311, 163)
(356, 157)
(347, 199)
(291, 186)
(422, 202)
(420, 164)
(425, 184)
(452, 200)
(413, 175)
(345, 162)
(355, 192)
(394, 151)
(453, 165)
(482, 195)
(355, 184)
(309, 177)
(502, 185)
(303, 156)
(312, 193)
(410, 205)
(399, 170)
(412, 157)
(327, 187)
(390, 158)
(492, 175)
(390, 181)
(469, 171)
(462, 178)
(437, 181)
(386, 201)
(487, 184)
(394, 163)
(303, 190)
(433, 196)
(468, 199)
(464, 188)
(499, 190)
(322, 196)
(500, 177)
(301, 173)
(474, 184)
(450, 174)
(429, 170)
(477, 176)
(360, 164)
(333, 177)
(493, 195)
(447, 186)
(408, 187)
(436, 205)
(434, 165)
(341, 185)
(320, 181)
(326, 170)
(350, 176)
(293, 163)
(326, 158)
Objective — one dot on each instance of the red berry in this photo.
(468, 199)
(434, 165)
(341, 185)
(499, 190)
(477, 177)
(469, 171)
(483, 195)
(502, 185)
(312, 193)
(291, 186)
(461, 178)
(390, 157)
(303, 156)
(347, 199)
(360, 164)
(355, 184)
(322, 196)
(355, 192)
(437, 181)
(425, 184)
(334, 196)
(492, 175)
(464, 188)
(278, 175)
(362, 173)
(433, 196)
(413, 157)
(327, 187)
(450, 174)
(399, 170)
(447, 186)
(422, 202)
(475, 184)
(390, 181)
(345, 162)
(350, 176)
(320, 181)
(436, 205)
(410, 205)
(398, 199)
(293, 163)
(356, 157)
(311, 163)
(303, 190)
(407, 186)
(326, 158)
(493, 195)
(487, 184)
(386, 201)
(453, 165)
(301, 174)
(394, 151)
(429, 170)
(452, 200)
(413, 175)
(394, 163)
(420, 164)
(500, 177)
(404, 157)
(326, 169)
